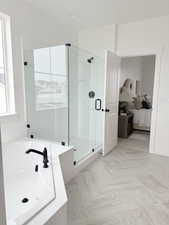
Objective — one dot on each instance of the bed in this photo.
(142, 119)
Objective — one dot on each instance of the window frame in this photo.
(8, 65)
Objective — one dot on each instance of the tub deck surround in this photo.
(127, 187)
(46, 192)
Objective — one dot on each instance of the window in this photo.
(50, 78)
(6, 70)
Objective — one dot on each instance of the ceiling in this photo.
(82, 14)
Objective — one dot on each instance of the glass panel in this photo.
(58, 60)
(42, 60)
(79, 102)
(97, 83)
(47, 94)
(85, 75)
(50, 91)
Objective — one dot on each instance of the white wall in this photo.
(143, 36)
(37, 30)
(131, 68)
(139, 68)
(97, 40)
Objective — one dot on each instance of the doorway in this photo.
(136, 101)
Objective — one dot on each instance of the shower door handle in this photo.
(98, 104)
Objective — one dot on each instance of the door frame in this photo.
(158, 55)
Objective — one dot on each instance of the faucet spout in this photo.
(44, 154)
(34, 151)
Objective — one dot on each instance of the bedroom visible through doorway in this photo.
(136, 100)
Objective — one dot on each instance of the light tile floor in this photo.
(127, 187)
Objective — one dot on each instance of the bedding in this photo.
(142, 118)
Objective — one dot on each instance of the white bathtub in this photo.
(21, 180)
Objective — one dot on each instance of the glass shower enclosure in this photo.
(64, 92)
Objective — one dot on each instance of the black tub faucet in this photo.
(44, 154)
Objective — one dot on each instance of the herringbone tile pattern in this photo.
(127, 187)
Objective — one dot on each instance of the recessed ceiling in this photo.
(90, 13)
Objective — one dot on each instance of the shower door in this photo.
(85, 98)
(96, 120)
